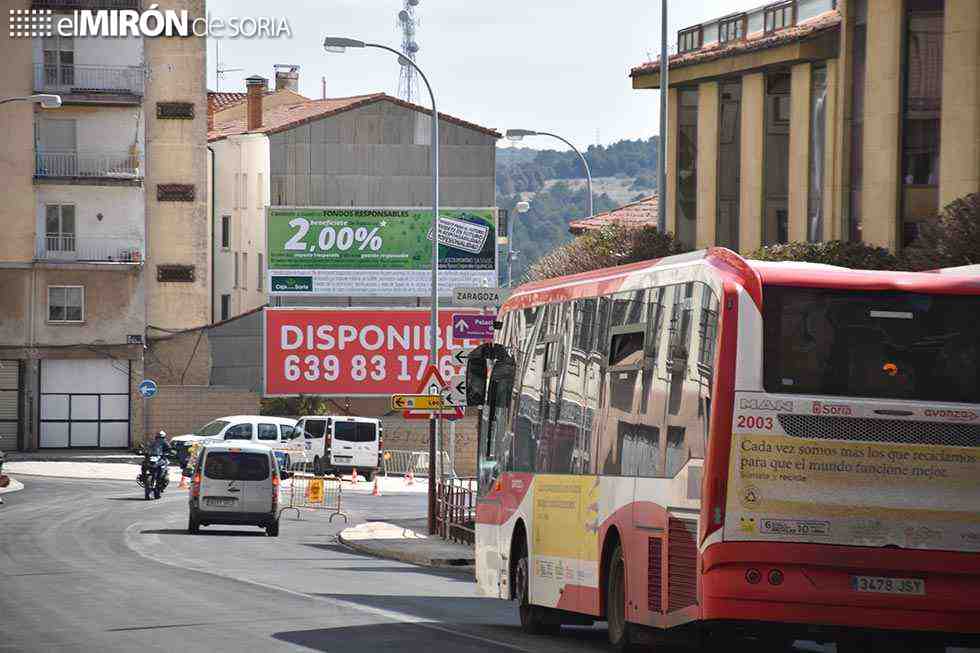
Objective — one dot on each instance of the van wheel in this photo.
(620, 630)
(317, 468)
(272, 530)
(532, 616)
(193, 526)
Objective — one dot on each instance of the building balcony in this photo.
(85, 4)
(70, 248)
(120, 169)
(84, 83)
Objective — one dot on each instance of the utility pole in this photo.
(662, 145)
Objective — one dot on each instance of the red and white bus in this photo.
(706, 446)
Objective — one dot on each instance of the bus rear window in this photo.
(354, 431)
(889, 345)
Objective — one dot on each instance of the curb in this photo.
(411, 557)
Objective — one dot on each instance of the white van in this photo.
(274, 432)
(236, 483)
(339, 443)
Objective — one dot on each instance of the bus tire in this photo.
(620, 630)
(533, 617)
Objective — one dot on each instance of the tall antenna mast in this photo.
(408, 24)
(219, 68)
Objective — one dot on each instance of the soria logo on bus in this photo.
(820, 408)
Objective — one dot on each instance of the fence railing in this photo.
(308, 492)
(456, 510)
(111, 165)
(400, 463)
(104, 249)
(76, 78)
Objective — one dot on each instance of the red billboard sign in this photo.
(353, 352)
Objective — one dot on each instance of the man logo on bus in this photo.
(751, 496)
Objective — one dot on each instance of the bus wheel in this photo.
(532, 616)
(620, 630)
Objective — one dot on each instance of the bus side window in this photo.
(494, 446)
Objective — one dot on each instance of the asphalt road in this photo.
(90, 566)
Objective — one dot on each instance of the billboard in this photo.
(377, 252)
(852, 492)
(353, 352)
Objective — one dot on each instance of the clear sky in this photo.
(550, 65)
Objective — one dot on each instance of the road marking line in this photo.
(393, 615)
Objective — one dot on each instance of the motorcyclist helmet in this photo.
(161, 435)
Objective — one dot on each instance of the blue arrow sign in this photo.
(148, 388)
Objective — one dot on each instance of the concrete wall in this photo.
(99, 129)
(236, 352)
(180, 359)
(378, 155)
(177, 232)
(670, 205)
(121, 208)
(17, 152)
(959, 166)
(413, 435)
(100, 51)
(707, 163)
(799, 151)
(180, 409)
(15, 291)
(239, 156)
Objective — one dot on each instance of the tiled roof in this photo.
(829, 20)
(218, 101)
(278, 119)
(643, 213)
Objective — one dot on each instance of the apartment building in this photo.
(810, 120)
(104, 222)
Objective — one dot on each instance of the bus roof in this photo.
(750, 274)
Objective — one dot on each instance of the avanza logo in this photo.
(775, 405)
(820, 408)
(954, 415)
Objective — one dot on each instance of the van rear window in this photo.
(236, 466)
(355, 431)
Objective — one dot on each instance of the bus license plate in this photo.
(885, 585)
(220, 501)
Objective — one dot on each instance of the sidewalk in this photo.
(75, 456)
(407, 543)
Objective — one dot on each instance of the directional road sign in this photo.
(148, 388)
(455, 393)
(416, 402)
(432, 386)
(460, 356)
(473, 327)
(480, 296)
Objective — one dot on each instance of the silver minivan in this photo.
(236, 483)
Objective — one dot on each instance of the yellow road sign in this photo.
(416, 402)
(314, 491)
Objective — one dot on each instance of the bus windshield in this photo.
(882, 344)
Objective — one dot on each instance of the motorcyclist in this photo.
(159, 445)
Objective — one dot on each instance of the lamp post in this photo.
(662, 146)
(521, 208)
(518, 134)
(339, 44)
(46, 100)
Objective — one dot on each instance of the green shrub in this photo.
(607, 247)
(950, 240)
(856, 255)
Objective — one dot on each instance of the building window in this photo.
(732, 28)
(780, 15)
(59, 61)
(236, 270)
(244, 270)
(225, 307)
(226, 231)
(776, 157)
(59, 227)
(922, 106)
(689, 39)
(261, 280)
(818, 136)
(729, 163)
(687, 165)
(66, 304)
(857, 123)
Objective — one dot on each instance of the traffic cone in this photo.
(410, 478)
(183, 483)
(353, 476)
(376, 492)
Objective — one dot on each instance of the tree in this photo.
(950, 240)
(607, 247)
(855, 255)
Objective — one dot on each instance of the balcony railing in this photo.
(85, 4)
(98, 249)
(76, 78)
(83, 164)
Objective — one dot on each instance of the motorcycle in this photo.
(153, 476)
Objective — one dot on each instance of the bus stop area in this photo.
(407, 542)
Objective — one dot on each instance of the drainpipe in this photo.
(211, 230)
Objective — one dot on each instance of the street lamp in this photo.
(518, 134)
(521, 208)
(46, 100)
(339, 44)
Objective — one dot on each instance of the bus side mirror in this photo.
(476, 381)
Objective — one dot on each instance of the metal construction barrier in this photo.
(456, 510)
(309, 492)
(400, 463)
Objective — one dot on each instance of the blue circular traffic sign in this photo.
(148, 388)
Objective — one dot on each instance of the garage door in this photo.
(84, 403)
(9, 404)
